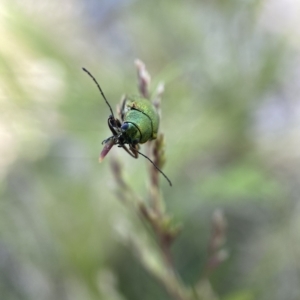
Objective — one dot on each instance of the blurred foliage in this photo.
(231, 122)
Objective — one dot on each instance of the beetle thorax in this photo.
(131, 133)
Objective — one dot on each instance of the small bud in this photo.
(219, 226)
(158, 95)
(144, 78)
(106, 149)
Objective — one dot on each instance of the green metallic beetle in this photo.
(140, 122)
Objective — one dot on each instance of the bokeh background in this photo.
(230, 115)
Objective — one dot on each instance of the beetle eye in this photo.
(124, 126)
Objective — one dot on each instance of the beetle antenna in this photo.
(157, 168)
(98, 85)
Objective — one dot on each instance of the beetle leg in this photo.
(107, 140)
(130, 151)
(134, 148)
(114, 126)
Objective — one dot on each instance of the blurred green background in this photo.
(230, 115)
